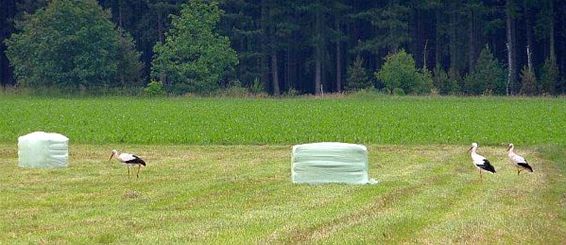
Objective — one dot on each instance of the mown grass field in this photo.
(219, 171)
(243, 194)
(377, 120)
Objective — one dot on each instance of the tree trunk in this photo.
(287, 67)
(7, 11)
(338, 60)
(510, 49)
(437, 54)
(471, 42)
(264, 47)
(424, 55)
(318, 54)
(562, 87)
(120, 23)
(529, 35)
(551, 29)
(160, 32)
(453, 40)
(274, 72)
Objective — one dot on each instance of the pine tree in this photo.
(488, 76)
(528, 82)
(129, 64)
(358, 77)
(391, 23)
(549, 76)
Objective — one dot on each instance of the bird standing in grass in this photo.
(480, 162)
(129, 160)
(517, 160)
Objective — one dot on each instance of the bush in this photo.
(154, 88)
(399, 73)
(368, 93)
(291, 92)
(398, 92)
(257, 87)
(444, 84)
(235, 90)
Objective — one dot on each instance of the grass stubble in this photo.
(243, 194)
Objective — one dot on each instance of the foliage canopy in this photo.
(194, 57)
(399, 73)
(72, 45)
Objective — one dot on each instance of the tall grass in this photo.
(369, 120)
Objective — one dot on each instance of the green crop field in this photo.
(380, 120)
(219, 171)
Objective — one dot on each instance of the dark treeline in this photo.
(311, 45)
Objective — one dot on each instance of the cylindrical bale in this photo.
(43, 150)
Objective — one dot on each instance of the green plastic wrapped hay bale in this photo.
(43, 150)
(330, 162)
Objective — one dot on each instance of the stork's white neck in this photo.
(510, 152)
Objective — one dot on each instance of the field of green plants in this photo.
(218, 171)
(374, 120)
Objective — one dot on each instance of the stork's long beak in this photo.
(508, 148)
(111, 156)
(470, 149)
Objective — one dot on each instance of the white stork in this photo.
(480, 162)
(517, 160)
(129, 160)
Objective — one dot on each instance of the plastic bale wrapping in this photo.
(320, 163)
(43, 150)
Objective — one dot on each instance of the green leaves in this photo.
(194, 58)
(399, 72)
(371, 120)
(70, 45)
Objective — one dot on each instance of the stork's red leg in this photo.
(138, 174)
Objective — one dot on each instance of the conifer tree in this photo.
(488, 76)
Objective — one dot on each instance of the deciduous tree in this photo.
(194, 57)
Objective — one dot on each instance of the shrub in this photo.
(154, 88)
(399, 72)
(257, 87)
(368, 93)
(443, 83)
(291, 92)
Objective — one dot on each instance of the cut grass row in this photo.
(243, 194)
(378, 120)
